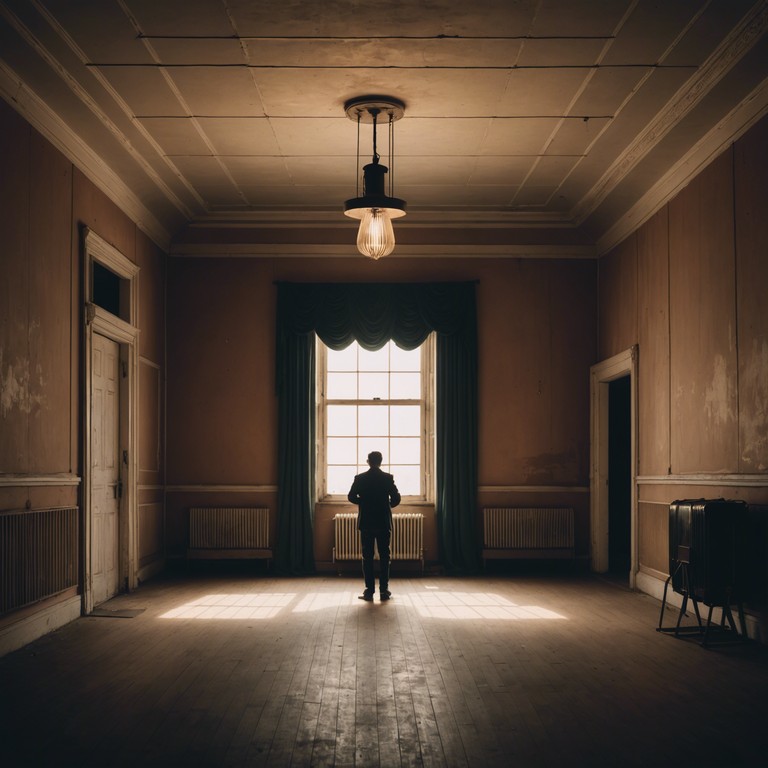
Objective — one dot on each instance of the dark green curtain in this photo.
(372, 314)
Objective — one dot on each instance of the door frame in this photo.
(600, 376)
(126, 333)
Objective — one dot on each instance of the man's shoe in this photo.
(385, 594)
(367, 595)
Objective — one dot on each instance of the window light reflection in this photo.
(475, 606)
(432, 603)
(231, 606)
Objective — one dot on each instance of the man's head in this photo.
(374, 459)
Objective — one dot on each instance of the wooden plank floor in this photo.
(231, 670)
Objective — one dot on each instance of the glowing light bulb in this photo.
(375, 237)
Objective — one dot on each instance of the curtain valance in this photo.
(372, 314)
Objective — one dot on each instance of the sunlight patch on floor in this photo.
(475, 606)
(231, 606)
(320, 601)
(432, 603)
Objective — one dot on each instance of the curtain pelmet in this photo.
(372, 314)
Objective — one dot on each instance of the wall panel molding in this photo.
(743, 481)
(221, 488)
(27, 481)
(533, 489)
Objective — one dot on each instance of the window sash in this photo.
(426, 427)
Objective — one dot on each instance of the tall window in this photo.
(376, 401)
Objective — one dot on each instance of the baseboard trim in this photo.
(34, 626)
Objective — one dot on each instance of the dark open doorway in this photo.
(619, 478)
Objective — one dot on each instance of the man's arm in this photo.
(394, 495)
(353, 495)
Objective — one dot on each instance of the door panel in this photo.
(105, 469)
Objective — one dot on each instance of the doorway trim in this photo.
(600, 376)
(126, 333)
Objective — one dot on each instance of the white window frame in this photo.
(428, 352)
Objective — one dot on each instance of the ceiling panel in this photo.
(351, 18)
(210, 181)
(530, 196)
(607, 89)
(145, 90)
(650, 31)
(435, 136)
(176, 135)
(379, 53)
(318, 136)
(249, 172)
(426, 92)
(198, 18)
(456, 196)
(240, 135)
(225, 91)
(497, 170)
(246, 100)
(550, 171)
(323, 171)
(101, 30)
(194, 52)
(518, 136)
(562, 52)
(434, 170)
(576, 134)
(565, 18)
(710, 28)
(542, 92)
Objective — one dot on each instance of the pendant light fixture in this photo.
(376, 208)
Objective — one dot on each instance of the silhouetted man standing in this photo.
(375, 493)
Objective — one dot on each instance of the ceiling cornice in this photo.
(729, 52)
(463, 251)
(714, 143)
(41, 117)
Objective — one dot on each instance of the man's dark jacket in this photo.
(375, 493)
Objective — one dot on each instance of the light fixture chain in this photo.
(357, 160)
(391, 155)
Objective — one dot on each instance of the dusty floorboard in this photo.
(228, 670)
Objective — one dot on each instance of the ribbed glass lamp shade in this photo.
(375, 237)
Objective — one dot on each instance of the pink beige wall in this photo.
(44, 204)
(689, 288)
(537, 332)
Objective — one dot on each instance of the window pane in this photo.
(342, 360)
(406, 386)
(340, 479)
(402, 360)
(342, 420)
(374, 385)
(405, 450)
(367, 444)
(373, 420)
(407, 479)
(342, 450)
(405, 420)
(342, 386)
(374, 361)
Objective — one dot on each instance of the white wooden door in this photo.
(105, 468)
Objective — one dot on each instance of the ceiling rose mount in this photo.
(365, 107)
(375, 208)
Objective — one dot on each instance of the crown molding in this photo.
(707, 76)
(292, 250)
(44, 120)
(714, 143)
(301, 218)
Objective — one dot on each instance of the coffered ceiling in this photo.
(579, 118)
